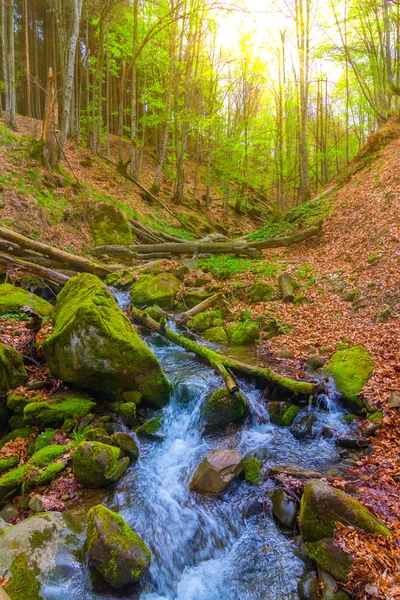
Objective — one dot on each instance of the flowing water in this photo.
(225, 548)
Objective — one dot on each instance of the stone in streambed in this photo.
(323, 506)
(331, 558)
(216, 472)
(94, 346)
(58, 409)
(283, 413)
(284, 508)
(97, 465)
(308, 586)
(217, 335)
(115, 550)
(351, 369)
(304, 427)
(160, 290)
(127, 444)
(223, 408)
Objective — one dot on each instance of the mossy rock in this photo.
(16, 421)
(322, 507)
(46, 455)
(114, 549)
(110, 226)
(283, 413)
(6, 464)
(94, 346)
(262, 292)
(206, 320)
(58, 409)
(331, 558)
(274, 327)
(351, 369)
(217, 335)
(17, 401)
(12, 370)
(127, 412)
(194, 296)
(150, 427)
(44, 439)
(11, 482)
(284, 508)
(12, 299)
(223, 408)
(299, 299)
(23, 433)
(243, 334)
(252, 470)
(122, 279)
(49, 473)
(135, 397)
(160, 290)
(97, 465)
(127, 444)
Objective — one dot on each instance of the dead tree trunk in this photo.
(287, 287)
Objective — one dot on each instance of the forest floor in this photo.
(350, 276)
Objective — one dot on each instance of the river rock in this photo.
(330, 590)
(223, 408)
(158, 289)
(97, 465)
(315, 361)
(322, 506)
(9, 512)
(94, 346)
(12, 299)
(110, 226)
(216, 472)
(282, 413)
(331, 558)
(284, 508)
(351, 369)
(308, 587)
(115, 550)
(127, 444)
(304, 427)
(12, 370)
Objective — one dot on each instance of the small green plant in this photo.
(79, 435)
(225, 266)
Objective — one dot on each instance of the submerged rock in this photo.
(115, 550)
(351, 369)
(323, 506)
(110, 226)
(12, 370)
(304, 427)
(158, 289)
(94, 346)
(12, 299)
(97, 465)
(222, 409)
(216, 472)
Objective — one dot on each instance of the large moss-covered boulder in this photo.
(59, 408)
(97, 465)
(94, 346)
(351, 369)
(282, 413)
(12, 299)
(206, 320)
(28, 553)
(158, 289)
(12, 370)
(115, 550)
(223, 408)
(110, 226)
(242, 334)
(216, 472)
(323, 506)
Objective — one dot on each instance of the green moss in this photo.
(374, 257)
(375, 416)
(158, 289)
(127, 412)
(216, 335)
(49, 473)
(109, 541)
(223, 408)
(241, 334)
(290, 415)
(135, 397)
(94, 346)
(226, 266)
(46, 455)
(155, 312)
(109, 225)
(299, 299)
(12, 299)
(96, 465)
(58, 408)
(12, 370)
(263, 292)
(8, 463)
(283, 413)
(206, 320)
(44, 439)
(322, 507)
(40, 537)
(252, 470)
(17, 401)
(23, 583)
(330, 558)
(194, 296)
(351, 369)
(23, 433)
(151, 426)
(12, 481)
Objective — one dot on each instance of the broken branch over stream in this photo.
(223, 364)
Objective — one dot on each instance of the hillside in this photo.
(347, 293)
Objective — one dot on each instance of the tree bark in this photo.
(290, 386)
(179, 249)
(33, 269)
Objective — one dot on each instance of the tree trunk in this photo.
(287, 287)
(27, 60)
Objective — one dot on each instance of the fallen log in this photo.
(206, 304)
(154, 236)
(291, 386)
(71, 261)
(32, 269)
(179, 249)
(287, 287)
(289, 240)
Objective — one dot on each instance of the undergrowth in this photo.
(225, 266)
